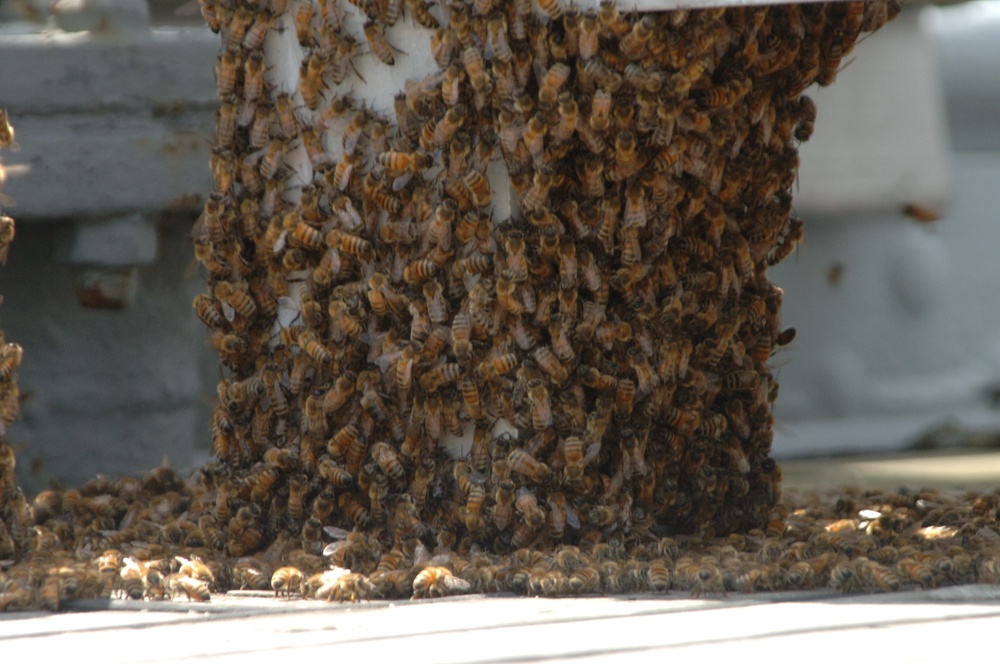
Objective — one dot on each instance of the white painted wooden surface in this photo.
(915, 626)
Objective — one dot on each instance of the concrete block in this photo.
(881, 138)
(896, 323)
(111, 391)
(58, 72)
(967, 37)
(108, 164)
(115, 242)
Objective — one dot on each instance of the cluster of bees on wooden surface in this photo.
(157, 538)
(604, 347)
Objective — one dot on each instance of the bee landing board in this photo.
(562, 223)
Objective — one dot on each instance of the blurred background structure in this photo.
(114, 111)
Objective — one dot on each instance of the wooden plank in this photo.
(477, 629)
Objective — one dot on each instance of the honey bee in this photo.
(323, 505)
(658, 574)
(377, 44)
(303, 24)
(497, 366)
(336, 397)
(446, 128)
(6, 237)
(196, 568)
(479, 188)
(569, 114)
(474, 507)
(524, 463)
(552, 10)
(420, 10)
(253, 76)
(343, 320)
(505, 296)
(537, 197)
(402, 162)
(264, 482)
(702, 577)
(271, 159)
(226, 75)
(335, 474)
(435, 299)
(541, 407)
(527, 504)
(388, 461)
(436, 581)
(374, 406)
(50, 594)
(510, 132)
(844, 574)
(800, 574)
(559, 335)
(310, 237)
(194, 589)
(516, 263)
(355, 511)
(549, 363)
(314, 348)
(914, 570)
(286, 580)
(10, 358)
(344, 171)
(378, 286)
(298, 484)
(591, 174)
(921, 213)
(350, 244)
(574, 455)
(419, 271)
(877, 577)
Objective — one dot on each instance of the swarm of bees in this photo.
(159, 538)
(15, 520)
(604, 347)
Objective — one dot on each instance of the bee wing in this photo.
(279, 244)
(335, 532)
(246, 113)
(457, 585)
(421, 555)
(572, 518)
(399, 183)
(288, 303)
(334, 547)
(228, 311)
(592, 451)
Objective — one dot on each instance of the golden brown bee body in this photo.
(287, 580)
(380, 48)
(181, 585)
(522, 462)
(437, 581)
(474, 508)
